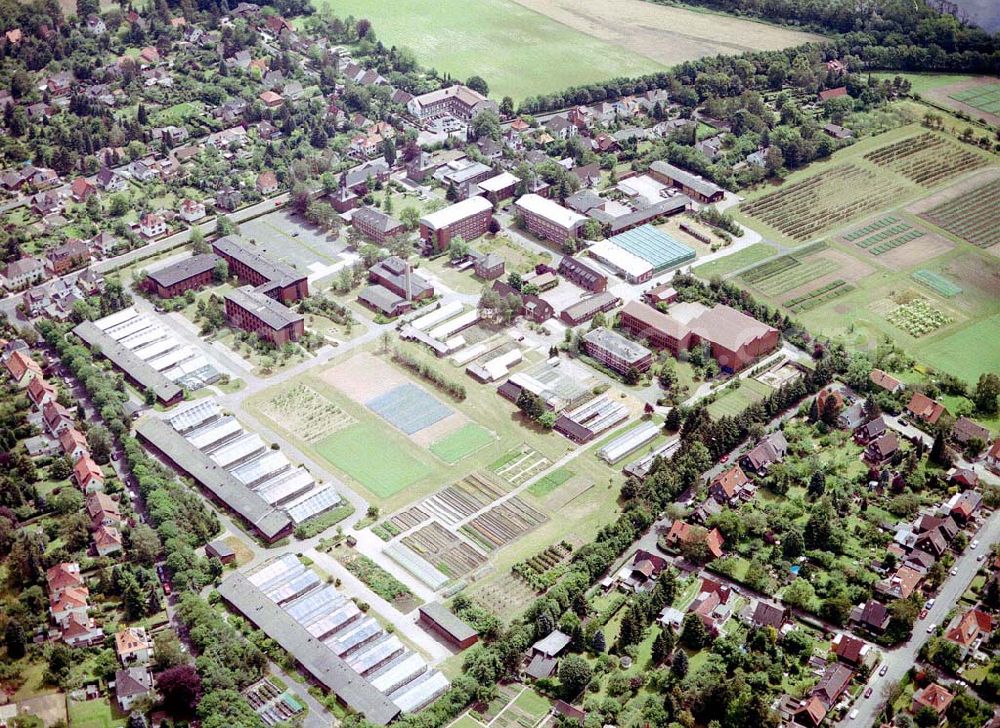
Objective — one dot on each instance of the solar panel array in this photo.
(246, 457)
(381, 658)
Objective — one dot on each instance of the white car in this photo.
(974, 544)
(929, 604)
(883, 670)
(931, 628)
(954, 572)
(853, 714)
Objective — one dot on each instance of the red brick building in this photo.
(185, 274)
(69, 256)
(273, 279)
(251, 310)
(469, 219)
(661, 331)
(375, 225)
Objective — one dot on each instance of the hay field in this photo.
(532, 47)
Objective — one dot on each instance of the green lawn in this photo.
(92, 714)
(967, 353)
(466, 721)
(738, 260)
(531, 702)
(732, 402)
(921, 83)
(549, 483)
(358, 451)
(463, 441)
(519, 52)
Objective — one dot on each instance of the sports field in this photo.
(463, 441)
(385, 473)
(534, 47)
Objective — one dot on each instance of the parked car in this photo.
(868, 692)
(724, 458)
(853, 714)
(975, 544)
(923, 614)
(931, 627)
(954, 572)
(928, 604)
(883, 670)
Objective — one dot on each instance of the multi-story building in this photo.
(458, 101)
(22, 273)
(396, 274)
(469, 219)
(249, 309)
(375, 225)
(616, 352)
(273, 279)
(661, 331)
(69, 256)
(576, 271)
(548, 219)
(694, 187)
(185, 274)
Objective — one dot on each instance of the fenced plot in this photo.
(503, 523)
(408, 408)
(917, 317)
(937, 282)
(971, 216)
(518, 466)
(543, 569)
(825, 200)
(448, 553)
(306, 413)
(927, 159)
(460, 500)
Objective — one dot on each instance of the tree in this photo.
(679, 665)
(145, 544)
(817, 484)
(15, 640)
(632, 376)
(458, 249)
(220, 271)
(99, 442)
(389, 151)
(168, 652)
(180, 688)
(987, 394)
(198, 244)
(793, 544)
(410, 217)
(693, 632)
(939, 454)
(663, 645)
(799, 593)
(60, 662)
(486, 124)
(478, 84)
(451, 194)
(598, 644)
(831, 410)
(574, 675)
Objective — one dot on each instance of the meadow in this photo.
(532, 47)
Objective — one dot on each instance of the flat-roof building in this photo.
(547, 219)
(641, 253)
(616, 352)
(438, 618)
(469, 219)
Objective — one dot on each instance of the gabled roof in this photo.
(969, 626)
(63, 576)
(105, 536)
(131, 640)
(874, 614)
(966, 430)
(19, 363)
(850, 649)
(832, 684)
(132, 682)
(86, 469)
(731, 480)
(934, 697)
(768, 615)
(925, 408)
(884, 380)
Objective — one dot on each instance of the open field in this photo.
(534, 47)
(969, 352)
(927, 160)
(92, 714)
(737, 261)
(358, 451)
(971, 217)
(733, 401)
(465, 441)
(977, 96)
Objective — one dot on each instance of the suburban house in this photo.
(882, 448)
(542, 661)
(965, 431)
(832, 684)
(967, 629)
(88, 475)
(267, 183)
(872, 615)
(56, 418)
(131, 684)
(192, 210)
(73, 443)
(885, 381)
(731, 484)
(41, 392)
(640, 573)
(870, 431)
(22, 273)
(681, 533)
(766, 614)
(932, 696)
(103, 510)
(766, 453)
(134, 646)
(22, 368)
(854, 652)
(107, 540)
(712, 605)
(152, 225)
(924, 408)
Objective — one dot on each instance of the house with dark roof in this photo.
(872, 615)
(730, 484)
(131, 684)
(766, 614)
(965, 430)
(882, 448)
(766, 453)
(832, 684)
(869, 431)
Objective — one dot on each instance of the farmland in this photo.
(968, 352)
(971, 217)
(927, 160)
(885, 234)
(917, 317)
(740, 259)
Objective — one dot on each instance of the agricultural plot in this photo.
(412, 516)
(885, 234)
(818, 296)
(985, 98)
(936, 282)
(803, 209)
(927, 159)
(462, 442)
(408, 408)
(307, 413)
(452, 556)
(383, 471)
(969, 352)
(459, 501)
(972, 216)
(503, 523)
(797, 274)
(543, 569)
(917, 317)
(543, 486)
(519, 466)
(506, 598)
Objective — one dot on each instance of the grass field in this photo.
(734, 401)
(542, 487)
(968, 352)
(384, 473)
(463, 441)
(92, 714)
(737, 261)
(531, 47)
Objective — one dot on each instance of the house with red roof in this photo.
(134, 646)
(41, 392)
(681, 532)
(934, 697)
(731, 484)
(901, 584)
(150, 55)
(271, 99)
(63, 576)
(82, 189)
(88, 475)
(73, 443)
(992, 458)
(107, 540)
(833, 93)
(267, 183)
(57, 418)
(853, 651)
(22, 368)
(80, 631)
(966, 629)
(924, 408)
(103, 510)
(71, 600)
(152, 225)
(810, 713)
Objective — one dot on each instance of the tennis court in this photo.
(408, 408)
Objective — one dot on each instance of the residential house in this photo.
(731, 484)
(152, 225)
(870, 431)
(924, 408)
(67, 257)
(110, 181)
(810, 713)
(767, 452)
(544, 654)
(766, 614)
(682, 533)
(901, 584)
(88, 475)
(80, 631)
(103, 510)
(872, 615)
(134, 646)
(966, 430)
(967, 629)
(992, 458)
(63, 576)
(131, 684)
(82, 189)
(712, 605)
(192, 210)
(104, 244)
(107, 540)
(56, 418)
(22, 368)
(932, 696)
(886, 381)
(228, 199)
(71, 600)
(882, 448)
(41, 392)
(854, 652)
(962, 506)
(832, 684)
(640, 574)
(267, 183)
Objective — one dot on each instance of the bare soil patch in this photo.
(665, 34)
(916, 252)
(429, 435)
(942, 95)
(363, 377)
(849, 269)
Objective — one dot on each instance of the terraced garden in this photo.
(971, 216)
(885, 234)
(803, 209)
(927, 159)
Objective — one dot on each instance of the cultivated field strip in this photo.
(803, 209)
(972, 217)
(519, 466)
(927, 159)
(458, 501)
(885, 234)
(445, 550)
(409, 518)
(503, 523)
(306, 413)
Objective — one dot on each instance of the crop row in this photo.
(896, 242)
(821, 295)
(917, 318)
(972, 217)
(873, 227)
(884, 235)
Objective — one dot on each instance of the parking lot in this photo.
(288, 237)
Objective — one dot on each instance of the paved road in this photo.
(904, 657)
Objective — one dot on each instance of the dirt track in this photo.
(666, 34)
